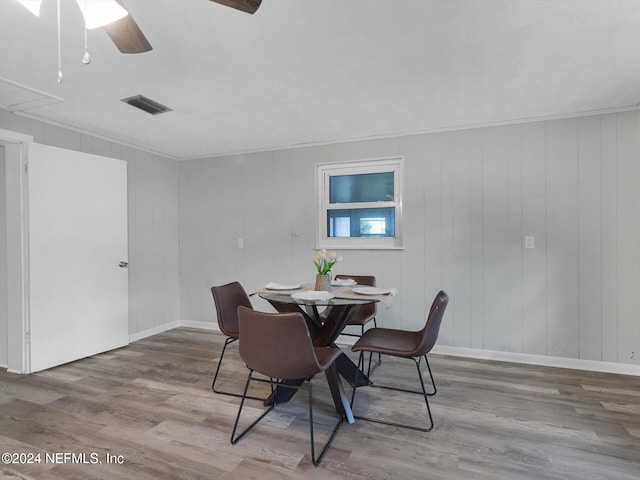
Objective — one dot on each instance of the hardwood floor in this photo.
(150, 407)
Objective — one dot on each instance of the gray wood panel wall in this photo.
(470, 198)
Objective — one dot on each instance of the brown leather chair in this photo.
(364, 313)
(227, 299)
(279, 346)
(404, 344)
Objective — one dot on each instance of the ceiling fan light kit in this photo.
(32, 5)
(96, 13)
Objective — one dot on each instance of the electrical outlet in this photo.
(240, 242)
(529, 242)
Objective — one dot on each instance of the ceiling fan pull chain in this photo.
(59, 48)
(86, 59)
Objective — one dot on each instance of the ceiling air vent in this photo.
(146, 104)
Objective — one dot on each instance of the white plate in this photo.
(312, 295)
(280, 286)
(343, 282)
(371, 291)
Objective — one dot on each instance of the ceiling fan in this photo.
(121, 26)
(128, 37)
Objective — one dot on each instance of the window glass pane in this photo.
(368, 187)
(373, 226)
(361, 222)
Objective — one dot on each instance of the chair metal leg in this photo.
(227, 342)
(244, 397)
(360, 363)
(423, 392)
(316, 460)
(433, 382)
(369, 371)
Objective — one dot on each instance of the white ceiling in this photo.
(304, 72)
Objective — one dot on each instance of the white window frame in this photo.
(324, 171)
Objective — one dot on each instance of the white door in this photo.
(78, 292)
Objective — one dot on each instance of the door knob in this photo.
(123, 264)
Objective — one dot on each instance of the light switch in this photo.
(240, 242)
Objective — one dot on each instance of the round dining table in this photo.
(324, 330)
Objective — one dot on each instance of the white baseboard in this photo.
(154, 331)
(524, 358)
(543, 360)
(200, 325)
(175, 324)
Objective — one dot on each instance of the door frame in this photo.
(17, 189)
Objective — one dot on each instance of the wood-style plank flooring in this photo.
(150, 407)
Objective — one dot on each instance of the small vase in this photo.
(323, 282)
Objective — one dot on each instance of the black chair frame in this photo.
(316, 460)
(426, 360)
(346, 334)
(422, 392)
(227, 342)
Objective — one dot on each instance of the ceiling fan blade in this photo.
(249, 6)
(126, 34)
